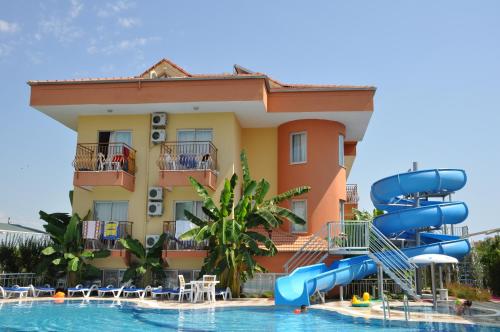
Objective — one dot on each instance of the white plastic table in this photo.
(197, 285)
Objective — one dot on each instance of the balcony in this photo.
(180, 160)
(99, 235)
(175, 248)
(104, 164)
(352, 194)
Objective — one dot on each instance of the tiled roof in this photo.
(239, 72)
(287, 242)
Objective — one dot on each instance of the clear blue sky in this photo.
(436, 65)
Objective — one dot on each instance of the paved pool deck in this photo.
(342, 307)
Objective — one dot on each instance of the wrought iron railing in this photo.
(352, 193)
(174, 243)
(104, 157)
(187, 156)
(106, 235)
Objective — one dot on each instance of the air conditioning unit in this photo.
(151, 240)
(155, 193)
(159, 119)
(155, 208)
(158, 135)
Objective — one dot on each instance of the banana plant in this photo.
(146, 263)
(67, 251)
(231, 227)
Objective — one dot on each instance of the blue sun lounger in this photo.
(85, 291)
(16, 289)
(45, 289)
(132, 290)
(116, 291)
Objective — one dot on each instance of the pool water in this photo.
(445, 309)
(106, 316)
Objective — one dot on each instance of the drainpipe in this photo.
(417, 237)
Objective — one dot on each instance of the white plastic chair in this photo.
(184, 289)
(208, 287)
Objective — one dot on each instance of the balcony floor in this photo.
(180, 178)
(89, 179)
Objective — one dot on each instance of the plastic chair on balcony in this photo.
(101, 160)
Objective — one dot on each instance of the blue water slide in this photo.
(396, 195)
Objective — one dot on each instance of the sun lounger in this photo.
(132, 290)
(45, 289)
(3, 293)
(20, 291)
(160, 291)
(225, 293)
(116, 291)
(85, 291)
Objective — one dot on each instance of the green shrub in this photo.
(268, 294)
(21, 254)
(468, 292)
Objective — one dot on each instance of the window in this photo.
(341, 210)
(182, 224)
(341, 150)
(299, 207)
(188, 137)
(119, 136)
(111, 210)
(298, 148)
(194, 135)
(192, 206)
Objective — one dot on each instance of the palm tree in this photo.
(67, 250)
(147, 263)
(230, 227)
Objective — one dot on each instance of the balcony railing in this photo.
(105, 234)
(352, 193)
(174, 243)
(104, 157)
(175, 156)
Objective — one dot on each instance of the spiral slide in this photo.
(403, 217)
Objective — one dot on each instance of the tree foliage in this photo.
(488, 252)
(146, 263)
(67, 251)
(230, 226)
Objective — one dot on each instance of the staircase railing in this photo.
(394, 262)
(314, 251)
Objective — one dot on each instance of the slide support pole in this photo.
(380, 276)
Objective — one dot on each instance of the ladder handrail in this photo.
(316, 244)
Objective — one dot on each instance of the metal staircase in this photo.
(357, 238)
(393, 261)
(314, 251)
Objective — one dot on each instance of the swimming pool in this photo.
(445, 309)
(106, 316)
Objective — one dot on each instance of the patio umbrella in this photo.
(433, 259)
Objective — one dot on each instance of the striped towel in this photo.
(111, 230)
(91, 229)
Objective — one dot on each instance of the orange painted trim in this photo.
(321, 101)
(85, 179)
(172, 178)
(147, 92)
(121, 253)
(350, 148)
(183, 254)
